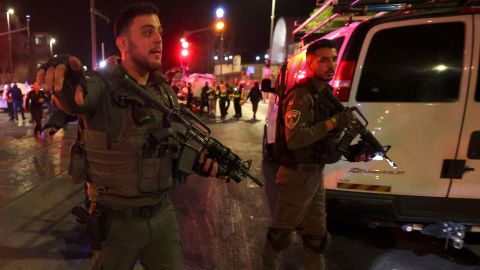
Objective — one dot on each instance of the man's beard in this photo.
(143, 63)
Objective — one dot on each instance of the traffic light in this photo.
(219, 26)
(184, 52)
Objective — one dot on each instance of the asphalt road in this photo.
(223, 225)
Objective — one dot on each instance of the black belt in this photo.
(142, 212)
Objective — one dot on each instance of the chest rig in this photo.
(122, 157)
(324, 150)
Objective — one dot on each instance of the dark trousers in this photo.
(10, 110)
(228, 105)
(203, 105)
(238, 107)
(17, 107)
(37, 115)
(223, 108)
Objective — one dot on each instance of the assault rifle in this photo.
(194, 135)
(359, 127)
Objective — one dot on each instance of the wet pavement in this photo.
(223, 225)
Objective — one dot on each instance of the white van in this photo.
(414, 75)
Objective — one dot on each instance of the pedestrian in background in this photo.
(8, 99)
(189, 96)
(229, 96)
(204, 97)
(17, 98)
(212, 100)
(237, 97)
(223, 98)
(255, 96)
(34, 105)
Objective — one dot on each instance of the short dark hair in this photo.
(322, 43)
(126, 16)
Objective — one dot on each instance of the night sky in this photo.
(69, 22)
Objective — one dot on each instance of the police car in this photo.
(414, 74)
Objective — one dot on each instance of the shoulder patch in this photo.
(291, 118)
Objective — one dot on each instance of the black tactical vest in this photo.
(324, 150)
(121, 159)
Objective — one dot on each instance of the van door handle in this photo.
(454, 168)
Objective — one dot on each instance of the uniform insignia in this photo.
(292, 118)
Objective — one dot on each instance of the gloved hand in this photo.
(358, 152)
(61, 72)
(343, 119)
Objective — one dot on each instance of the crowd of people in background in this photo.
(219, 94)
(213, 95)
(33, 100)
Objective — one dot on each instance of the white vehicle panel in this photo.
(422, 135)
(469, 185)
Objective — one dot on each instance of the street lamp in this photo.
(10, 11)
(52, 41)
(220, 25)
(220, 12)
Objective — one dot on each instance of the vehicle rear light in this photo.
(342, 82)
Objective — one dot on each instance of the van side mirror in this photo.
(266, 86)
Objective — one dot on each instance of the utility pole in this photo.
(10, 11)
(272, 21)
(93, 31)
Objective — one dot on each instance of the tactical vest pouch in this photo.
(77, 169)
(281, 154)
(155, 174)
(328, 153)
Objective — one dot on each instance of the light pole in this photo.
(10, 11)
(28, 25)
(52, 41)
(220, 25)
(272, 21)
(93, 32)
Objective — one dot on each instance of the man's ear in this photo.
(122, 43)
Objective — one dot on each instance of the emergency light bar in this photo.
(356, 7)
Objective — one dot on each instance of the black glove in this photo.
(342, 119)
(74, 73)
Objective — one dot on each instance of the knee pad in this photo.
(319, 245)
(279, 238)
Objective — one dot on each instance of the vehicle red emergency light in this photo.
(342, 81)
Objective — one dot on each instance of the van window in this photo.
(421, 63)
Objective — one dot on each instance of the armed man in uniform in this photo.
(129, 170)
(311, 125)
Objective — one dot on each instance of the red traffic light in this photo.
(184, 52)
